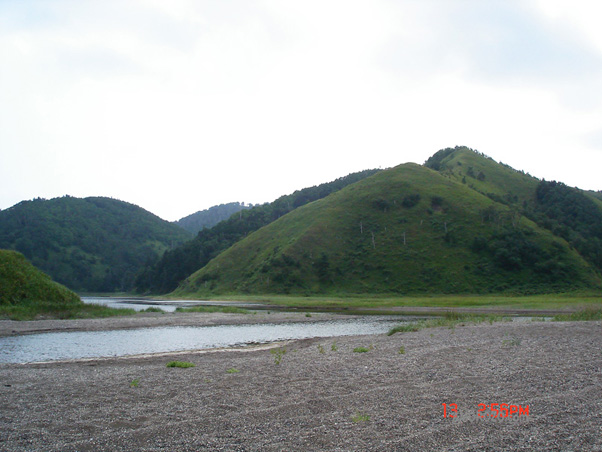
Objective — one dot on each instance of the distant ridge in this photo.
(210, 217)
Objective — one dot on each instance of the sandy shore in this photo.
(339, 400)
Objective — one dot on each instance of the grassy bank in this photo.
(569, 301)
(37, 311)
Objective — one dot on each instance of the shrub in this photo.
(182, 364)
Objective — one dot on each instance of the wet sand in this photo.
(338, 400)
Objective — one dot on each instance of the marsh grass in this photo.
(582, 315)
(449, 319)
(225, 309)
(182, 364)
(49, 310)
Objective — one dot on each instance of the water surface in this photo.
(96, 344)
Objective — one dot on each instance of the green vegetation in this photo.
(210, 217)
(233, 370)
(135, 383)
(278, 354)
(514, 342)
(402, 350)
(449, 320)
(88, 245)
(225, 309)
(334, 346)
(581, 315)
(408, 230)
(358, 417)
(182, 364)
(26, 294)
(361, 350)
(321, 349)
(164, 275)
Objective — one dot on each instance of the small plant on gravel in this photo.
(360, 417)
(182, 364)
(361, 350)
(134, 383)
(232, 370)
(308, 315)
(321, 349)
(334, 347)
(514, 342)
(278, 354)
(153, 309)
(402, 350)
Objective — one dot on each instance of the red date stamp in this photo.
(489, 410)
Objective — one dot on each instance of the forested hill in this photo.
(461, 223)
(92, 245)
(166, 273)
(210, 217)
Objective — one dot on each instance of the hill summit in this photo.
(461, 223)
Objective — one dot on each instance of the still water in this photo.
(95, 344)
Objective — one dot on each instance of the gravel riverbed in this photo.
(322, 396)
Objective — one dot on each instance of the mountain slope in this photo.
(92, 244)
(409, 229)
(22, 283)
(210, 217)
(175, 265)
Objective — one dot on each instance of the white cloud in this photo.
(180, 105)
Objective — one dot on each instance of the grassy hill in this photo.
(164, 275)
(24, 287)
(91, 245)
(409, 229)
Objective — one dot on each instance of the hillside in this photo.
(460, 226)
(164, 275)
(210, 217)
(90, 245)
(21, 284)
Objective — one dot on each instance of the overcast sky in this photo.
(178, 105)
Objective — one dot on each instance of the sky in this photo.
(179, 105)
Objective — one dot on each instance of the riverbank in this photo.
(323, 395)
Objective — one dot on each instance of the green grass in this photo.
(450, 320)
(358, 417)
(361, 350)
(181, 364)
(49, 310)
(581, 315)
(350, 302)
(232, 370)
(225, 309)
